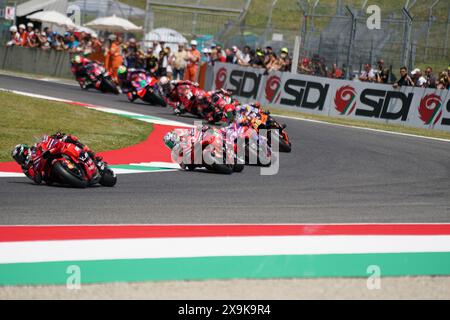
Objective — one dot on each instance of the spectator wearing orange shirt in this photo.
(113, 59)
(194, 57)
(23, 35)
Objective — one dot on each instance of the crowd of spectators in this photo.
(158, 58)
(427, 79)
(183, 63)
(415, 78)
(270, 60)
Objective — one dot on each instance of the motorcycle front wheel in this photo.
(109, 86)
(67, 177)
(108, 179)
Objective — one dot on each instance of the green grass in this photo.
(363, 124)
(24, 120)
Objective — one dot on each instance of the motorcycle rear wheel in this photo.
(109, 86)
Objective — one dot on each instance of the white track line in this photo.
(362, 128)
(75, 250)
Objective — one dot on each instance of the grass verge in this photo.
(363, 124)
(25, 120)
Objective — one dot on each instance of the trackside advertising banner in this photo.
(416, 107)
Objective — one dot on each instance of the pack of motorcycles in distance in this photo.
(235, 134)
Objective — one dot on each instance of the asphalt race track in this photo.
(333, 175)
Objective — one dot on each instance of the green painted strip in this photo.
(434, 113)
(348, 105)
(142, 168)
(292, 266)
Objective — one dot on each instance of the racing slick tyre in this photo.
(187, 167)
(158, 100)
(222, 168)
(285, 146)
(109, 86)
(66, 177)
(108, 179)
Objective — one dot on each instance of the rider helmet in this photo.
(20, 153)
(166, 85)
(230, 112)
(170, 139)
(76, 59)
(122, 72)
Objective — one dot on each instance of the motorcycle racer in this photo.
(81, 68)
(32, 159)
(131, 80)
(182, 95)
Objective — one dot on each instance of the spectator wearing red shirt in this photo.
(335, 73)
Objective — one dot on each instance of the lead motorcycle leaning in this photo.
(65, 163)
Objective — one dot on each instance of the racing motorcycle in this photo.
(218, 154)
(256, 149)
(72, 166)
(265, 121)
(98, 78)
(150, 91)
(221, 107)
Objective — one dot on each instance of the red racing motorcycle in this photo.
(67, 164)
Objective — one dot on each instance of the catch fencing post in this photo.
(296, 56)
(430, 22)
(447, 33)
(351, 40)
(407, 38)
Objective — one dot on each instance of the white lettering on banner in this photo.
(409, 106)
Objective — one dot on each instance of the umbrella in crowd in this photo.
(113, 24)
(52, 17)
(165, 35)
(84, 29)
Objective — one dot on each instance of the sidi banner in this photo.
(416, 107)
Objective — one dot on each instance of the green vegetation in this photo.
(26, 119)
(363, 124)
(287, 19)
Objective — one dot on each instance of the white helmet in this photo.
(30, 25)
(194, 43)
(22, 26)
(164, 81)
(171, 139)
(13, 29)
(166, 85)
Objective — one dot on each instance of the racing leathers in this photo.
(134, 80)
(34, 165)
(184, 95)
(84, 75)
